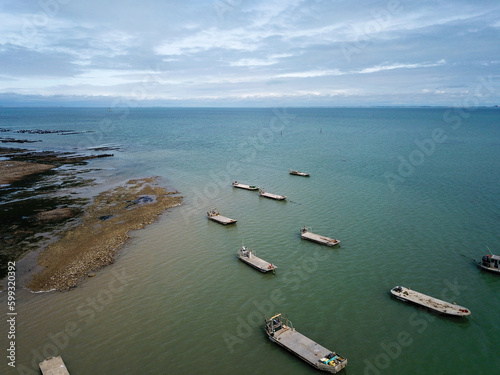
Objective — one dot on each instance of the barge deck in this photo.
(442, 307)
(303, 347)
(305, 234)
(236, 184)
(277, 197)
(214, 215)
(247, 256)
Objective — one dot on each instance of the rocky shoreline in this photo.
(13, 170)
(48, 157)
(44, 131)
(58, 237)
(15, 140)
(105, 227)
(38, 198)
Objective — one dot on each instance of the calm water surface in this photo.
(412, 197)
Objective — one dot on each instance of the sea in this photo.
(412, 194)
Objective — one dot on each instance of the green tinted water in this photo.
(177, 300)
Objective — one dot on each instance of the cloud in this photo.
(379, 68)
(310, 74)
(255, 51)
(235, 39)
(373, 69)
(251, 62)
(18, 61)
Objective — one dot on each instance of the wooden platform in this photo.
(277, 197)
(431, 303)
(305, 234)
(236, 184)
(53, 366)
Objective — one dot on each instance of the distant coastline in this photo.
(98, 104)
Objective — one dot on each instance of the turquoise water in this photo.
(411, 193)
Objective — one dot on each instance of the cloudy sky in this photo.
(250, 52)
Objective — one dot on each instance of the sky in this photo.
(229, 53)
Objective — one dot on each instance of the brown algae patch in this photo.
(40, 195)
(105, 226)
(56, 214)
(17, 170)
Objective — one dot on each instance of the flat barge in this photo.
(236, 184)
(434, 304)
(53, 366)
(307, 235)
(297, 173)
(247, 256)
(214, 215)
(283, 334)
(277, 197)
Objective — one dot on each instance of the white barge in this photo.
(214, 215)
(283, 334)
(307, 235)
(236, 184)
(442, 307)
(249, 258)
(277, 197)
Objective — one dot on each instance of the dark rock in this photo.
(139, 200)
(13, 140)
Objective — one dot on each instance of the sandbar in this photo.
(104, 228)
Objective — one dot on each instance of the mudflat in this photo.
(38, 199)
(104, 228)
(13, 170)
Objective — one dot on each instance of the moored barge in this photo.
(282, 333)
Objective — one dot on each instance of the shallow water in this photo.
(177, 300)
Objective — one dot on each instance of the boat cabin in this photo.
(274, 324)
(491, 263)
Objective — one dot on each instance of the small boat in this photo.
(236, 184)
(282, 333)
(214, 215)
(442, 307)
(297, 173)
(307, 235)
(249, 258)
(277, 197)
(490, 263)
